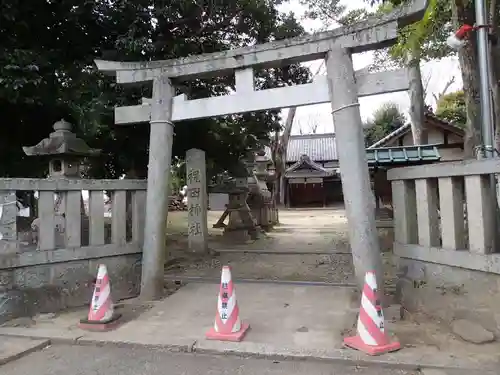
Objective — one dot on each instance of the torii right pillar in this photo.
(358, 195)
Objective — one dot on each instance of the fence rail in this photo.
(443, 213)
(63, 221)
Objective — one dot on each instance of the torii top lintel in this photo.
(373, 33)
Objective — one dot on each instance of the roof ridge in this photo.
(305, 159)
(313, 135)
(390, 135)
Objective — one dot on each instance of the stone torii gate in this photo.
(342, 86)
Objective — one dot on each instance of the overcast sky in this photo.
(437, 73)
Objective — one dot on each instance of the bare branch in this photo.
(426, 83)
(450, 82)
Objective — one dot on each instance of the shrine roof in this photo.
(312, 168)
(319, 147)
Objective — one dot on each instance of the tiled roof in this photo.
(319, 147)
(402, 155)
(305, 161)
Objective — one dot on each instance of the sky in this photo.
(435, 73)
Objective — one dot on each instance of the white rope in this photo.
(344, 107)
(161, 122)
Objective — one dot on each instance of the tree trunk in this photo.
(281, 147)
(463, 13)
(417, 100)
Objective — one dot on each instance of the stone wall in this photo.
(44, 282)
(55, 269)
(450, 293)
(444, 241)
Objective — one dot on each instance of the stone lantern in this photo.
(260, 200)
(261, 163)
(64, 150)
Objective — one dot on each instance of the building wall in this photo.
(451, 154)
(306, 194)
(433, 136)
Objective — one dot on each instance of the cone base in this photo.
(100, 326)
(234, 336)
(355, 342)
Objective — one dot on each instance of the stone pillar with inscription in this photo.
(8, 227)
(197, 200)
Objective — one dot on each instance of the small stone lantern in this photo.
(64, 149)
(261, 201)
(261, 163)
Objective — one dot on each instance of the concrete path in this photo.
(64, 360)
(301, 322)
(282, 317)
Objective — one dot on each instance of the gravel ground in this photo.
(304, 231)
(80, 360)
(335, 268)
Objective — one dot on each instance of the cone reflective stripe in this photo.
(371, 338)
(457, 40)
(101, 316)
(227, 326)
(101, 307)
(371, 318)
(227, 319)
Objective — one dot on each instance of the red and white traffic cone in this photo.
(102, 316)
(371, 338)
(227, 326)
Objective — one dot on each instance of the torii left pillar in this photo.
(160, 158)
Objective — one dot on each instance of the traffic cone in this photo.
(371, 338)
(102, 316)
(227, 326)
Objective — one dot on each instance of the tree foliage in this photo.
(384, 121)
(332, 13)
(426, 38)
(451, 107)
(47, 73)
